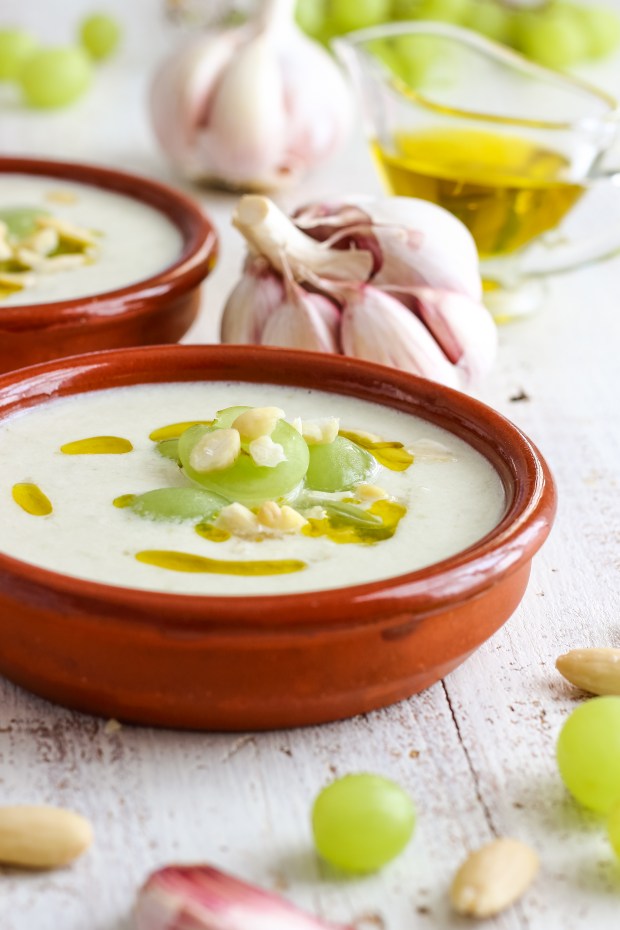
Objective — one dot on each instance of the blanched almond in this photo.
(238, 520)
(258, 421)
(370, 492)
(593, 670)
(42, 837)
(320, 432)
(215, 451)
(266, 452)
(283, 519)
(493, 878)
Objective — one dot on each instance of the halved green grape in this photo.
(100, 35)
(347, 15)
(169, 449)
(613, 829)
(55, 77)
(21, 221)
(338, 466)
(588, 753)
(177, 504)
(361, 822)
(245, 481)
(16, 46)
(225, 418)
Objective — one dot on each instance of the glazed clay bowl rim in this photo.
(531, 497)
(197, 258)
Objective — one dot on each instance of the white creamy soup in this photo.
(131, 241)
(447, 499)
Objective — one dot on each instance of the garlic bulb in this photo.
(202, 898)
(394, 281)
(252, 106)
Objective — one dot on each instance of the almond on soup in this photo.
(237, 489)
(61, 240)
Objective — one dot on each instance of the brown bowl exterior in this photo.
(155, 310)
(228, 663)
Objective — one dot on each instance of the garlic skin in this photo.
(253, 106)
(259, 292)
(202, 898)
(303, 321)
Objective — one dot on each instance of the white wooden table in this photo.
(476, 751)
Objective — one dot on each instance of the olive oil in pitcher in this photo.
(505, 189)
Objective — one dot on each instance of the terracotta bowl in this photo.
(155, 310)
(242, 663)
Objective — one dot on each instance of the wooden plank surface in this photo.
(476, 752)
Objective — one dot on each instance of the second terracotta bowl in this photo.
(158, 309)
(242, 663)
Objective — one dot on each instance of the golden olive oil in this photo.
(31, 498)
(187, 562)
(505, 189)
(98, 445)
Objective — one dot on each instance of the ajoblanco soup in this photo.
(236, 489)
(60, 240)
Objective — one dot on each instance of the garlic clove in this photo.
(377, 327)
(259, 292)
(442, 254)
(245, 134)
(304, 321)
(202, 898)
(464, 329)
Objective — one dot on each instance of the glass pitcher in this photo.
(514, 150)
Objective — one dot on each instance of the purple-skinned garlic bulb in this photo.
(394, 281)
(253, 106)
(202, 898)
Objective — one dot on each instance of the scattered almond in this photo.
(493, 878)
(42, 837)
(593, 670)
(284, 519)
(238, 520)
(266, 453)
(215, 451)
(258, 422)
(320, 432)
(370, 492)
(67, 231)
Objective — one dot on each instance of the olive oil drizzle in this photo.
(198, 564)
(343, 530)
(97, 445)
(392, 455)
(211, 532)
(31, 498)
(174, 430)
(125, 500)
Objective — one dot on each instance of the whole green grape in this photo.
(55, 77)
(16, 46)
(447, 11)
(601, 28)
(588, 753)
(348, 15)
(338, 466)
(613, 829)
(552, 37)
(100, 35)
(310, 16)
(490, 19)
(361, 822)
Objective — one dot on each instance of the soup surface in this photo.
(132, 240)
(66, 462)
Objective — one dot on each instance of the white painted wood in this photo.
(476, 752)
